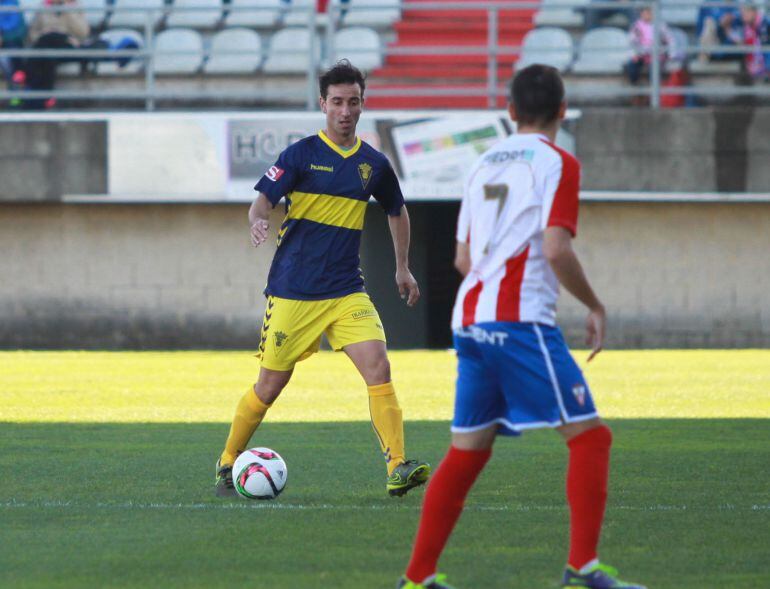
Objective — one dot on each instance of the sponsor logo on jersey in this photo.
(363, 314)
(579, 391)
(280, 337)
(482, 336)
(319, 168)
(500, 157)
(274, 173)
(365, 173)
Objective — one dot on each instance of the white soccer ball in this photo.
(259, 473)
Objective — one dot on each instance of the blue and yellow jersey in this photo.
(326, 189)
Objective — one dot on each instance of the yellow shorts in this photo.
(292, 329)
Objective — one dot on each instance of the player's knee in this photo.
(268, 388)
(379, 370)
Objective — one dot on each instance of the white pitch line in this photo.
(267, 505)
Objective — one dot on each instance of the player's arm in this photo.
(463, 258)
(400, 231)
(557, 248)
(279, 180)
(259, 219)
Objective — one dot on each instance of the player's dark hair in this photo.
(343, 72)
(537, 92)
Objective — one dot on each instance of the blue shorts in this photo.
(519, 375)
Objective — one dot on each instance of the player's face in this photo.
(342, 107)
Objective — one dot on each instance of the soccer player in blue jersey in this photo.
(315, 285)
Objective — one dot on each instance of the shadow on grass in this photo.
(132, 505)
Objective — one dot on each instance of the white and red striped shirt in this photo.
(513, 192)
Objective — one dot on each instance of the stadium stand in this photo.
(549, 45)
(123, 16)
(299, 12)
(289, 51)
(456, 28)
(241, 13)
(560, 16)
(95, 18)
(604, 50)
(112, 68)
(438, 55)
(359, 44)
(234, 51)
(680, 15)
(206, 15)
(373, 13)
(170, 44)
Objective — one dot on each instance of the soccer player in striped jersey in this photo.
(315, 285)
(514, 247)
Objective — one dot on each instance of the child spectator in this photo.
(642, 35)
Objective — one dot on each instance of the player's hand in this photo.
(595, 328)
(407, 287)
(259, 232)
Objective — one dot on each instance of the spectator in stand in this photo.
(756, 32)
(13, 31)
(642, 36)
(719, 25)
(52, 29)
(595, 17)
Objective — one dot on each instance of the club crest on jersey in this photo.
(579, 391)
(274, 173)
(280, 337)
(365, 173)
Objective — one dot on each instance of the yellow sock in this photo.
(387, 423)
(248, 416)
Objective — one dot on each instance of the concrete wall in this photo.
(85, 276)
(44, 160)
(677, 275)
(706, 150)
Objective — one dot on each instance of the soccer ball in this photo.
(259, 473)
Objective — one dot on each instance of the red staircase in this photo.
(446, 71)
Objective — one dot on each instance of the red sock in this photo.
(587, 474)
(442, 507)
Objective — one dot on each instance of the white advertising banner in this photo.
(220, 156)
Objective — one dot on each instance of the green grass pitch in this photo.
(107, 471)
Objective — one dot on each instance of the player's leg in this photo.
(371, 360)
(290, 332)
(249, 413)
(589, 441)
(479, 407)
(355, 327)
(444, 501)
(587, 477)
